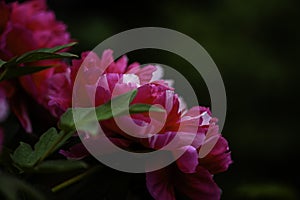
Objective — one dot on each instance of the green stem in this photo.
(74, 179)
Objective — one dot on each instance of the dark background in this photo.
(255, 45)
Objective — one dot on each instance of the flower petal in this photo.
(76, 152)
(159, 184)
(188, 161)
(199, 185)
(20, 110)
(219, 158)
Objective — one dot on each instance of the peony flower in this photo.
(206, 154)
(24, 27)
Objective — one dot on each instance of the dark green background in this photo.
(255, 45)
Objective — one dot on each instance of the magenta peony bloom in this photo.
(24, 27)
(207, 154)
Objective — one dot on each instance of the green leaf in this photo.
(140, 108)
(2, 62)
(85, 117)
(43, 53)
(12, 68)
(45, 143)
(53, 166)
(20, 71)
(37, 56)
(56, 48)
(25, 157)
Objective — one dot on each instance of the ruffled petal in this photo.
(219, 158)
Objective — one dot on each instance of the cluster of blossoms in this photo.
(29, 25)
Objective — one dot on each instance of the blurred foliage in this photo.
(266, 191)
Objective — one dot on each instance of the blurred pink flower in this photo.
(27, 26)
(24, 27)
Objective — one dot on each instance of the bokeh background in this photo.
(255, 45)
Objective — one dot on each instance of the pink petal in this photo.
(160, 185)
(20, 35)
(20, 110)
(76, 152)
(4, 15)
(219, 158)
(3, 106)
(199, 185)
(144, 73)
(119, 66)
(188, 161)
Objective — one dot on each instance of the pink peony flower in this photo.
(205, 155)
(24, 27)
